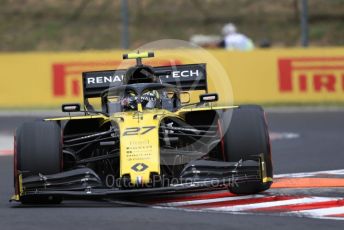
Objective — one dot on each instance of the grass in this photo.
(96, 24)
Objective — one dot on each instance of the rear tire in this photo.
(38, 150)
(248, 135)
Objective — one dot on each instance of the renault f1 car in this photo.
(146, 138)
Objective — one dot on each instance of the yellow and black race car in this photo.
(146, 138)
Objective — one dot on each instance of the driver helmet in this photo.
(129, 102)
(150, 100)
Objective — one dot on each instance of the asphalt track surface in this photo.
(302, 142)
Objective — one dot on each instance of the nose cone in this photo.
(139, 147)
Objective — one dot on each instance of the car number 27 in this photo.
(137, 130)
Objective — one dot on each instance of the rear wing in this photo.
(185, 77)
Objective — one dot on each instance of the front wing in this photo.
(84, 183)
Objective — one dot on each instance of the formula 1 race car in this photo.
(146, 138)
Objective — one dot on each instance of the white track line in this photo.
(280, 136)
(6, 142)
(247, 207)
(321, 212)
(328, 218)
(206, 201)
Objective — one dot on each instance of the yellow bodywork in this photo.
(139, 145)
(139, 141)
(139, 55)
(139, 138)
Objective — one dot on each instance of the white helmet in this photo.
(229, 28)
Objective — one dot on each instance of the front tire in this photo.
(38, 150)
(246, 135)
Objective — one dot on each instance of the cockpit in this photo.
(140, 96)
(142, 87)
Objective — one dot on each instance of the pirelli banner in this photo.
(45, 80)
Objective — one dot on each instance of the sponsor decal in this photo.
(66, 77)
(176, 74)
(139, 167)
(185, 73)
(317, 74)
(104, 79)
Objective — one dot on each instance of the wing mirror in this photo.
(209, 97)
(68, 108)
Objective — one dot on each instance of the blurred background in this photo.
(50, 25)
(272, 52)
(286, 55)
